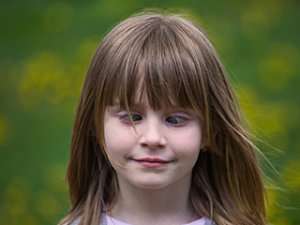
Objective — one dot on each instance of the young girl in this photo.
(158, 137)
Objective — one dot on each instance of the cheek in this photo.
(117, 139)
(187, 141)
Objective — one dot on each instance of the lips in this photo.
(152, 163)
(152, 160)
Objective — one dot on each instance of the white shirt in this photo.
(108, 220)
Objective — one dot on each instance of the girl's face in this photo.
(159, 150)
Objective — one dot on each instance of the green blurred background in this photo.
(46, 47)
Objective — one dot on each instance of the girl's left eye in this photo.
(176, 120)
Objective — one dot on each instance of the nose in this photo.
(152, 135)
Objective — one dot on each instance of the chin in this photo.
(150, 185)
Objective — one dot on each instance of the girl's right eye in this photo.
(126, 117)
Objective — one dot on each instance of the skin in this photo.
(157, 195)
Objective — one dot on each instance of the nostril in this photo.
(152, 147)
(157, 142)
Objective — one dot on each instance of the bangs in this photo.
(155, 65)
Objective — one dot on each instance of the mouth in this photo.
(152, 162)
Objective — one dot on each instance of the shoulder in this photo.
(102, 222)
(208, 221)
(202, 221)
(75, 222)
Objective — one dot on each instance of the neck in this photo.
(167, 205)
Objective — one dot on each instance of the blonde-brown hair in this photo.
(171, 61)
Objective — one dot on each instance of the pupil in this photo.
(135, 117)
(172, 120)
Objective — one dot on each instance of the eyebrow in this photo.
(132, 106)
(141, 105)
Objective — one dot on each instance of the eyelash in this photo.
(182, 119)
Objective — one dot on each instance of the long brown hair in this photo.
(170, 59)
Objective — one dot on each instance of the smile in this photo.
(151, 162)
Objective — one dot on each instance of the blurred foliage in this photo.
(46, 47)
